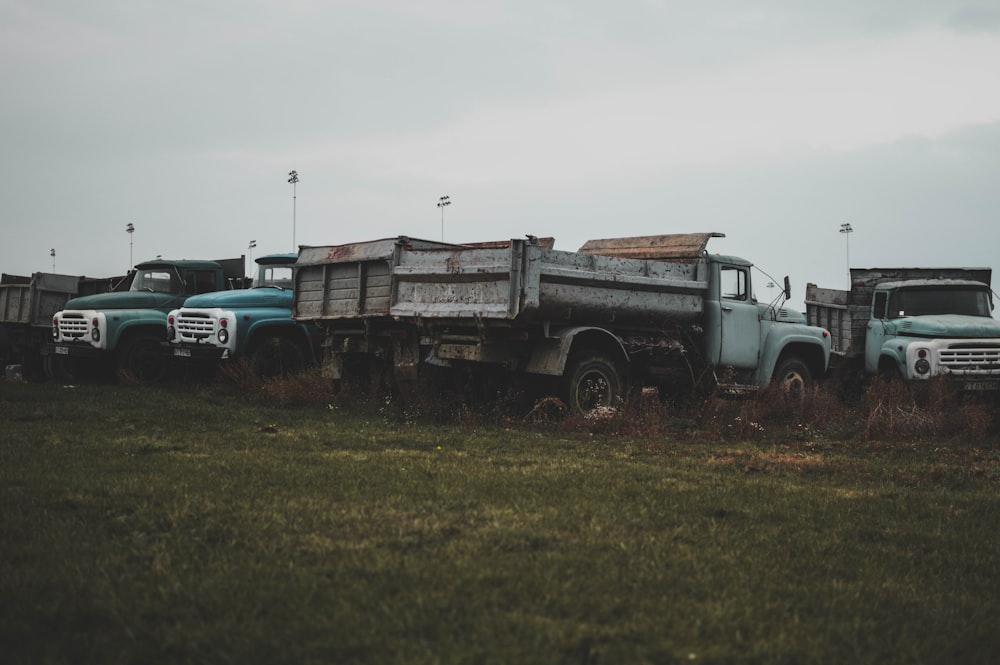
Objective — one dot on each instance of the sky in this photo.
(774, 122)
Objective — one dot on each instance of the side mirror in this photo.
(788, 288)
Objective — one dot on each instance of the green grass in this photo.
(162, 525)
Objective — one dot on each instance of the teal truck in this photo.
(913, 324)
(585, 326)
(27, 304)
(256, 324)
(124, 332)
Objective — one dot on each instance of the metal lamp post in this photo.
(130, 229)
(293, 177)
(847, 230)
(253, 243)
(52, 253)
(442, 202)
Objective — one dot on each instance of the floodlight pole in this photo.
(130, 229)
(293, 177)
(847, 230)
(442, 202)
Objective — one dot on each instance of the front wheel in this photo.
(793, 377)
(277, 356)
(592, 381)
(142, 357)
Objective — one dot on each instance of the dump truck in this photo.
(27, 304)
(911, 324)
(256, 323)
(585, 326)
(124, 332)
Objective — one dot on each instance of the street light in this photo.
(847, 231)
(293, 177)
(130, 229)
(442, 202)
(52, 253)
(253, 243)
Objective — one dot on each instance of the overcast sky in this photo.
(773, 122)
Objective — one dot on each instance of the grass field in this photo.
(192, 525)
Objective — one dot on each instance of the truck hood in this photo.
(261, 297)
(125, 300)
(948, 325)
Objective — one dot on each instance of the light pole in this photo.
(130, 229)
(52, 253)
(293, 177)
(253, 243)
(847, 231)
(442, 202)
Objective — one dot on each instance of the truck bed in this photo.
(33, 300)
(520, 281)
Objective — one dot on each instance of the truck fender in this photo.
(808, 348)
(549, 355)
(121, 325)
(891, 360)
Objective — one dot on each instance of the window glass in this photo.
(280, 276)
(157, 280)
(733, 283)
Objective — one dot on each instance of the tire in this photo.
(143, 358)
(592, 381)
(793, 377)
(277, 356)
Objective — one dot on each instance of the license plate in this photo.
(982, 385)
(62, 350)
(182, 353)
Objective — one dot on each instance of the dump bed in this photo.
(846, 313)
(33, 300)
(520, 281)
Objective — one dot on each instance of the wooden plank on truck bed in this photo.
(661, 247)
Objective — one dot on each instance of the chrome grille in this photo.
(72, 326)
(193, 327)
(971, 360)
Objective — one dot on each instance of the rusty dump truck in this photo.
(913, 324)
(27, 304)
(653, 311)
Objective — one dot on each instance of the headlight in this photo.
(95, 334)
(223, 336)
(171, 332)
(922, 366)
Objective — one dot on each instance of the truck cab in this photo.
(758, 341)
(124, 331)
(256, 323)
(920, 329)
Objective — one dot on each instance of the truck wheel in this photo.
(277, 356)
(143, 358)
(793, 377)
(592, 381)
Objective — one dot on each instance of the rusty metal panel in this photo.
(671, 246)
(36, 299)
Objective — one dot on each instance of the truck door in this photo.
(740, 338)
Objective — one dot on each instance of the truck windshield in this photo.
(928, 301)
(157, 280)
(274, 275)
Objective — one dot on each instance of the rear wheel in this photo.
(592, 381)
(143, 358)
(277, 356)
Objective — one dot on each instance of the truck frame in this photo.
(647, 311)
